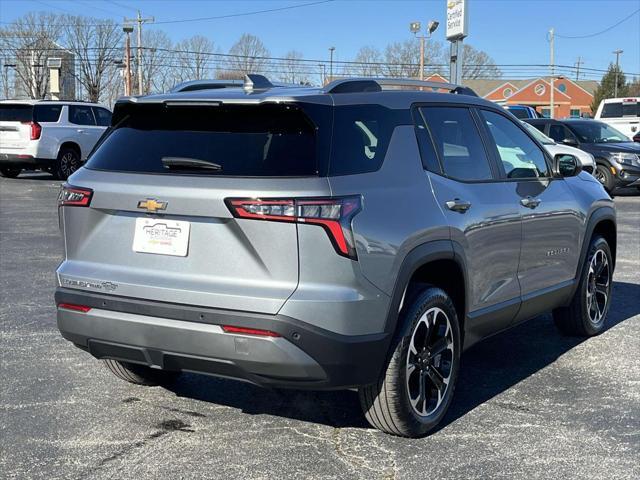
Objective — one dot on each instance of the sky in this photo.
(511, 31)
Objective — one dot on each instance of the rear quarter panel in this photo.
(399, 211)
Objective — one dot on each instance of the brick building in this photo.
(571, 98)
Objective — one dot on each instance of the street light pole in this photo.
(414, 27)
(615, 87)
(331, 50)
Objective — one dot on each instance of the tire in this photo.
(603, 175)
(586, 314)
(394, 404)
(68, 161)
(9, 172)
(140, 374)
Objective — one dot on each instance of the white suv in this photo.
(55, 136)
(623, 114)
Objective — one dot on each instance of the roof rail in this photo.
(205, 85)
(364, 84)
(251, 82)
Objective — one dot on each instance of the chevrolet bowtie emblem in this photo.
(151, 205)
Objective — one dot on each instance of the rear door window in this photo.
(231, 140)
(520, 155)
(47, 113)
(81, 115)
(15, 112)
(103, 116)
(457, 142)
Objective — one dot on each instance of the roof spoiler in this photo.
(362, 85)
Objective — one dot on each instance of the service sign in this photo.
(457, 19)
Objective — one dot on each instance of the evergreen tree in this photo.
(607, 86)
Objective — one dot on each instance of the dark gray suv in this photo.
(360, 235)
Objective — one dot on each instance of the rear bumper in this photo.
(22, 160)
(189, 338)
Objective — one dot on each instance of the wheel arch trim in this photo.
(599, 215)
(418, 257)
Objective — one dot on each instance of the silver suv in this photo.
(55, 136)
(360, 235)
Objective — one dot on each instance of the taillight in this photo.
(332, 214)
(249, 331)
(36, 130)
(74, 196)
(74, 307)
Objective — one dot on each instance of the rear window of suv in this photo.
(226, 140)
(620, 109)
(16, 112)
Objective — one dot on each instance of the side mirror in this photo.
(570, 141)
(567, 165)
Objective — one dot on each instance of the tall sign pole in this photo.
(457, 30)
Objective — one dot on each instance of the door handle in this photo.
(80, 131)
(457, 205)
(530, 202)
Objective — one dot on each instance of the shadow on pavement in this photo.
(488, 369)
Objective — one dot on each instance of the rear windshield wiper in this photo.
(186, 163)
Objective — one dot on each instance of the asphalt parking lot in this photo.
(529, 404)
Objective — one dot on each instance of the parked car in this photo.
(360, 235)
(617, 157)
(522, 111)
(636, 137)
(586, 159)
(623, 114)
(55, 136)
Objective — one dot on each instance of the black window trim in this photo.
(496, 155)
(469, 106)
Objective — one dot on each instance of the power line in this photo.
(217, 17)
(120, 5)
(601, 31)
(256, 12)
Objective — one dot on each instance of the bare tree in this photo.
(368, 62)
(194, 58)
(5, 75)
(96, 46)
(159, 72)
(293, 68)
(402, 59)
(248, 55)
(27, 43)
(478, 64)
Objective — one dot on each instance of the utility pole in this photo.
(615, 87)
(127, 29)
(578, 63)
(323, 75)
(553, 72)
(139, 20)
(331, 50)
